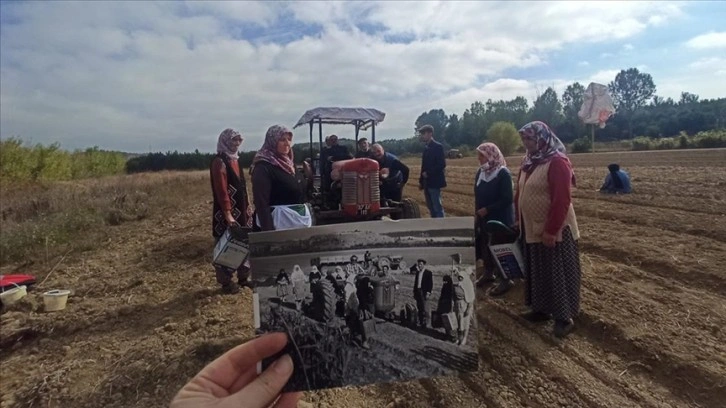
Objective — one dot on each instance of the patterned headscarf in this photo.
(224, 143)
(494, 162)
(549, 146)
(268, 152)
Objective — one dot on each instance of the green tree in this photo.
(436, 118)
(572, 100)
(473, 126)
(547, 108)
(505, 136)
(452, 134)
(688, 98)
(631, 90)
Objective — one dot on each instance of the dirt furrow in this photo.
(560, 368)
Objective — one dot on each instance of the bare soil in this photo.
(146, 314)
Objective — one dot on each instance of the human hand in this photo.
(423, 174)
(549, 240)
(229, 218)
(482, 212)
(232, 381)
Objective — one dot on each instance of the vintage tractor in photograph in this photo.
(348, 190)
(328, 294)
(384, 296)
(395, 263)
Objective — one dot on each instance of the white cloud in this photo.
(128, 74)
(583, 64)
(708, 41)
(602, 77)
(628, 47)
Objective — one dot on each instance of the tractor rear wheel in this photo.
(323, 306)
(410, 209)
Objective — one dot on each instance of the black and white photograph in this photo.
(369, 302)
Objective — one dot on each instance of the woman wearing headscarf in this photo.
(493, 201)
(283, 285)
(273, 176)
(231, 204)
(298, 286)
(549, 229)
(617, 181)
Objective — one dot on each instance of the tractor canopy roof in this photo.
(362, 117)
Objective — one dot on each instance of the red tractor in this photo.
(348, 190)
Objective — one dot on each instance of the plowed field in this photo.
(145, 313)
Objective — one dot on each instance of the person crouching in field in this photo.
(231, 204)
(493, 201)
(549, 229)
(616, 182)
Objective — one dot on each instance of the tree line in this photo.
(639, 112)
(641, 116)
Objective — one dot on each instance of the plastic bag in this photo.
(597, 106)
(285, 217)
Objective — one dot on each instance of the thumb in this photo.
(265, 389)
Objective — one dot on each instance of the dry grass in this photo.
(318, 350)
(42, 221)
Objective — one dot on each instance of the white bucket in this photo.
(11, 296)
(55, 300)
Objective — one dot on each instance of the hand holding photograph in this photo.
(369, 302)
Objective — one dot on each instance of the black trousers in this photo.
(424, 309)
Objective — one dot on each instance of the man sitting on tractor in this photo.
(354, 268)
(337, 152)
(364, 149)
(394, 174)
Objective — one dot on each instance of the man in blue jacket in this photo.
(432, 178)
(617, 181)
(394, 174)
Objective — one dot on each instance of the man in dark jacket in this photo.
(364, 149)
(432, 178)
(423, 285)
(395, 175)
(337, 152)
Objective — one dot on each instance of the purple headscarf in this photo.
(224, 143)
(549, 146)
(268, 152)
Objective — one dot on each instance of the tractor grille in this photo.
(360, 188)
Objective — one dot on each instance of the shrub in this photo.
(20, 163)
(710, 139)
(642, 143)
(666, 143)
(582, 145)
(505, 136)
(683, 142)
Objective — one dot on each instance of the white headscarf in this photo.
(494, 162)
(297, 274)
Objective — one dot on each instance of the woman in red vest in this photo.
(547, 220)
(231, 204)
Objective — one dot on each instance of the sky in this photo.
(164, 76)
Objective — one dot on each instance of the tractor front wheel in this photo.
(410, 209)
(324, 301)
